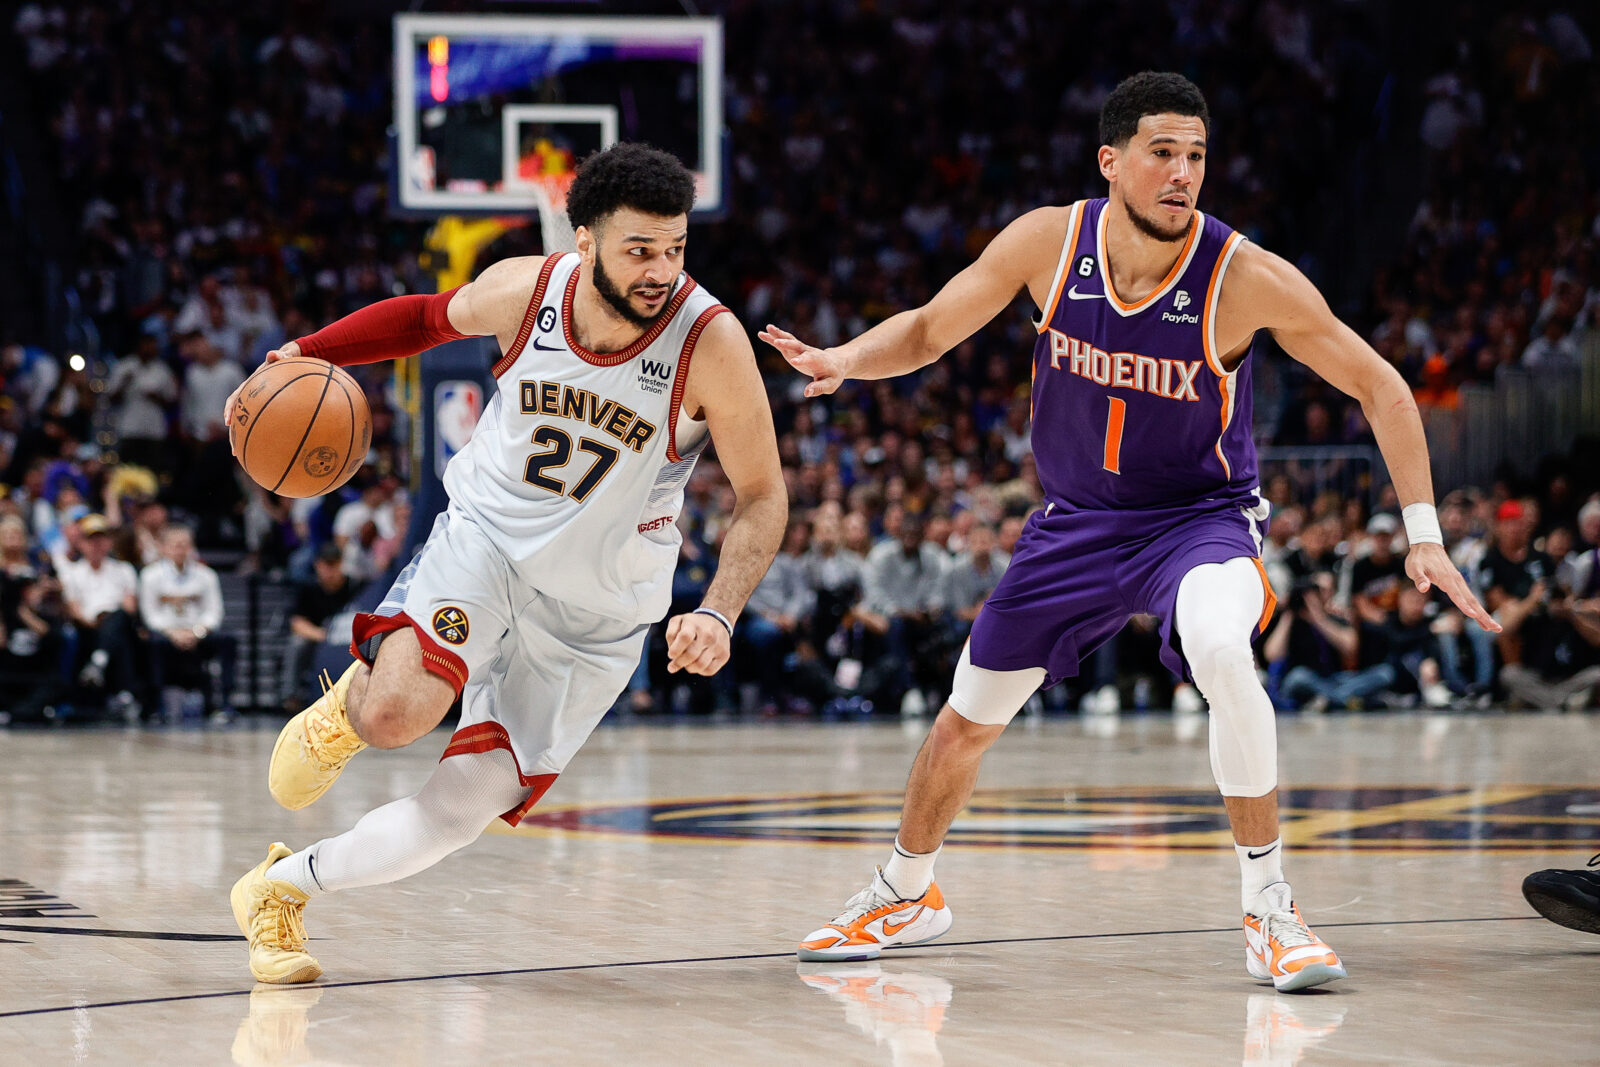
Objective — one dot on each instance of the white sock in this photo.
(395, 841)
(1259, 867)
(298, 872)
(909, 874)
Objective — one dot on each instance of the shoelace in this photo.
(279, 922)
(324, 726)
(862, 903)
(1287, 929)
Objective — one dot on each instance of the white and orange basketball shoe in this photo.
(875, 919)
(1279, 947)
(314, 746)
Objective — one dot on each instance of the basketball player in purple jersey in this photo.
(1141, 432)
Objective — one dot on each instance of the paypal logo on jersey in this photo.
(1180, 300)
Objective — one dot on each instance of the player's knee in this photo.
(955, 735)
(385, 718)
(1225, 674)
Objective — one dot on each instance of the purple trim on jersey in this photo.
(1077, 575)
(1181, 432)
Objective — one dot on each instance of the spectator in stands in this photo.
(1317, 552)
(1376, 578)
(902, 582)
(1451, 627)
(1318, 650)
(1556, 346)
(102, 599)
(1411, 649)
(362, 523)
(180, 602)
(775, 618)
(968, 581)
(1517, 584)
(210, 485)
(30, 626)
(143, 387)
(1539, 640)
(316, 604)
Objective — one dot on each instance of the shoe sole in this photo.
(1563, 913)
(294, 726)
(859, 953)
(1312, 974)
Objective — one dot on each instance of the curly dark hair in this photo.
(1150, 93)
(629, 174)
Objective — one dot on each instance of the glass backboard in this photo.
(487, 107)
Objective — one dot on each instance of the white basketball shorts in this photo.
(535, 674)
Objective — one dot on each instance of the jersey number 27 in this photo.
(558, 453)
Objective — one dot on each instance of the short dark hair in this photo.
(1150, 93)
(629, 174)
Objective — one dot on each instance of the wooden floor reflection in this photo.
(648, 912)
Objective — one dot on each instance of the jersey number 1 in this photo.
(558, 445)
(1114, 419)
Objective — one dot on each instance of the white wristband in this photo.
(1422, 524)
(715, 614)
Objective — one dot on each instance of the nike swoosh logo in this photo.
(547, 348)
(1073, 294)
(891, 928)
(1258, 855)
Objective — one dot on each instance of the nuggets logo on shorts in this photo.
(450, 624)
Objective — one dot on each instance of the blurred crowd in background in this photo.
(226, 175)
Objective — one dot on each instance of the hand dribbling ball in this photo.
(300, 427)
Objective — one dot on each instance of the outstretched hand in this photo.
(1429, 565)
(824, 365)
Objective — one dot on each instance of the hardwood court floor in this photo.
(648, 912)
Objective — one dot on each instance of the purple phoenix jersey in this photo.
(1143, 447)
(1131, 405)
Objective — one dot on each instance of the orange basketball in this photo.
(300, 427)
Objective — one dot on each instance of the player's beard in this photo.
(1150, 228)
(618, 300)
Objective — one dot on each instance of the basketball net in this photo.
(550, 194)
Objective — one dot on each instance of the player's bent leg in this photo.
(1219, 607)
(903, 906)
(464, 794)
(389, 705)
(402, 699)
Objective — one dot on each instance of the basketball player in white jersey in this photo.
(533, 595)
(1141, 426)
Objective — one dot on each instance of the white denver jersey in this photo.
(578, 465)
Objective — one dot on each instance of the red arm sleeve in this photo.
(395, 328)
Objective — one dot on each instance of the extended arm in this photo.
(1265, 291)
(402, 326)
(725, 385)
(1022, 254)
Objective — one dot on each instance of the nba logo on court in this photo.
(451, 625)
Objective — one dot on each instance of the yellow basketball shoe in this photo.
(875, 919)
(314, 746)
(268, 913)
(1279, 947)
